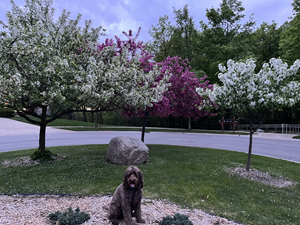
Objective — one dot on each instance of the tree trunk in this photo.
(144, 125)
(96, 119)
(161, 122)
(70, 116)
(250, 148)
(42, 138)
(84, 116)
(190, 123)
(171, 122)
(100, 118)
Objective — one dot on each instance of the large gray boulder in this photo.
(127, 151)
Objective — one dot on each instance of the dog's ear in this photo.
(141, 180)
(125, 180)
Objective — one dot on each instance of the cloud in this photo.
(193, 5)
(121, 15)
(269, 10)
(126, 25)
(113, 29)
(284, 14)
(250, 4)
(124, 19)
(5, 7)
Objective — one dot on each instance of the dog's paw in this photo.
(141, 220)
(130, 222)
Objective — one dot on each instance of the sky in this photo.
(122, 15)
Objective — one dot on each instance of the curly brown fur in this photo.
(126, 200)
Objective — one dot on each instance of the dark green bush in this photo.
(69, 217)
(178, 219)
(42, 155)
(7, 112)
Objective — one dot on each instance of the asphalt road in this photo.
(18, 136)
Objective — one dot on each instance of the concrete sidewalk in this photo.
(275, 136)
(10, 127)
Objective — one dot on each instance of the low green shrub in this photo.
(69, 217)
(7, 112)
(42, 155)
(178, 219)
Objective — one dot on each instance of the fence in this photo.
(284, 128)
(291, 128)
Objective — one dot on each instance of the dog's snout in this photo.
(132, 180)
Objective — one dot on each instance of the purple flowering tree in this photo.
(181, 98)
(186, 100)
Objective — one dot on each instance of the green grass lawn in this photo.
(296, 137)
(188, 176)
(58, 122)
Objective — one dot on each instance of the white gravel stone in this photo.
(34, 209)
(259, 176)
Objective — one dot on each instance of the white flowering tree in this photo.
(252, 95)
(45, 62)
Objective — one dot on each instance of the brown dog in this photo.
(126, 200)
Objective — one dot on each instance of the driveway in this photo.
(9, 127)
(16, 135)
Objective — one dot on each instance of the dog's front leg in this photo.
(114, 213)
(138, 213)
(127, 215)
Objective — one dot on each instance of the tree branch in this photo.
(58, 114)
(22, 114)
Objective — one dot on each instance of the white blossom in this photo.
(250, 96)
(242, 87)
(56, 61)
(261, 100)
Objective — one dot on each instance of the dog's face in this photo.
(133, 178)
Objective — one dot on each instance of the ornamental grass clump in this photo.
(178, 219)
(69, 217)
